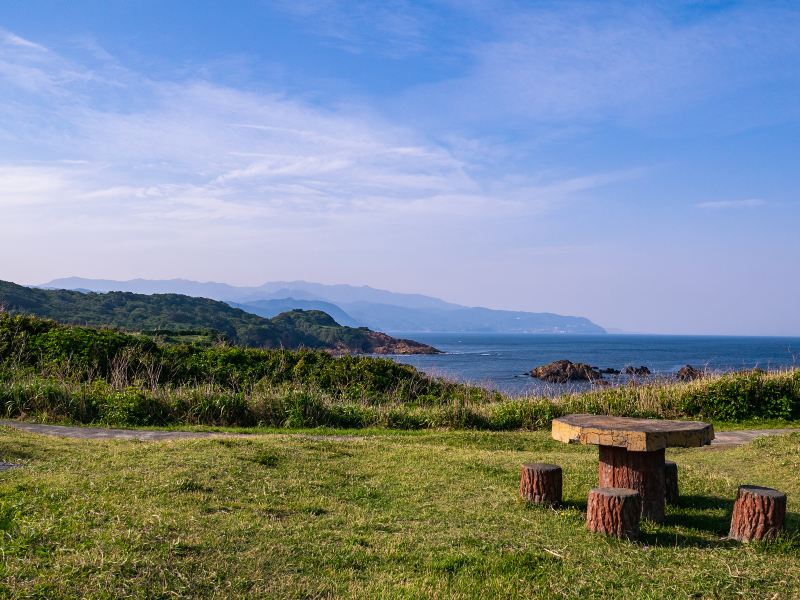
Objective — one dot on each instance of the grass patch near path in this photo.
(430, 515)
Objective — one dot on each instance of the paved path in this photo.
(723, 438)
(101, 433)
(743, 436)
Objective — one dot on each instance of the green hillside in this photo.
(174, 317)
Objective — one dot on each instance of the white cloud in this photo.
(29, 185)
(719, 204)
(126, 147)
(15, 40)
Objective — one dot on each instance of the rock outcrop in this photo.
(380, 343)
(563, 371)
(689, 373)
(639, 371)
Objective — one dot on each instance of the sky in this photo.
(636, 163)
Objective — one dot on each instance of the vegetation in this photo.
(176, 318)
(85, 375)
(423, 515)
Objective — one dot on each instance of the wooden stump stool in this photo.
(614, 511)
(758, 513)
(671, 481)
(540, 483)
(640, 471)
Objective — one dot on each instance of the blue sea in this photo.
(502, 361)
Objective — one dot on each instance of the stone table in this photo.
(632, 450)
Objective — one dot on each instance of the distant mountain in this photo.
(377, 309)
(397, 318)
(175, 314)
(271, 308)
(274, 290)
(215, 291)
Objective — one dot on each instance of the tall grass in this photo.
(729, 397)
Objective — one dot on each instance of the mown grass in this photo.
(428, 515)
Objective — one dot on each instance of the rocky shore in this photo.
(564, 371)
(380, 343)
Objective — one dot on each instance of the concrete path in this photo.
(722, 438)
(101, 433)
(743, 436)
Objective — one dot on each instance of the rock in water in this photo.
(689, 373)
(631, 370)
(562, 371)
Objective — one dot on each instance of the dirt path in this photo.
(723, 438)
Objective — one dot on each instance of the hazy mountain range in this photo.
(349, 305)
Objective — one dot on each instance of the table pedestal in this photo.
(640, 471)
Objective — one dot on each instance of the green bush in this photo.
(100, 376)
(522, 414)
(306, 410)
(130, 406)
(84, 354)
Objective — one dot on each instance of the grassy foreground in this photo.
(415, 515)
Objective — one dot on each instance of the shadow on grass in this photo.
(700, 522)
(696, 522)
(576, 504)
(709, 514)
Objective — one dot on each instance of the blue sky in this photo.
(636, 163)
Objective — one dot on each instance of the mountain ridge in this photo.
(375, 308)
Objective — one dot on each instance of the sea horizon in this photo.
(503, 361)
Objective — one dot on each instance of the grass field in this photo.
(416, 515)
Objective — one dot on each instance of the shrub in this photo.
(305, 410)
(131, 406)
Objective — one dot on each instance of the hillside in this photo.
(378, 309)
(174, 314)
(272, 308)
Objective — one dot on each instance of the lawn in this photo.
(416, 515)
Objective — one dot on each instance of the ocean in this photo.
(502, 361)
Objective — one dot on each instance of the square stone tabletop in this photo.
(638, 435)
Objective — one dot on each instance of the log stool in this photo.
(540, 483)
(758, 513)
(671, 481)
(614, 511)
(641, 471)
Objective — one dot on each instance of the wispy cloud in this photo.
(594, 62)
(396, 28)
(150, 150)
(15, 40)
(719, 204)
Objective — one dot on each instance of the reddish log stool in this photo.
(641, 471)
(671, 481)
(614, 511)
(540, 483)
(758, 513)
